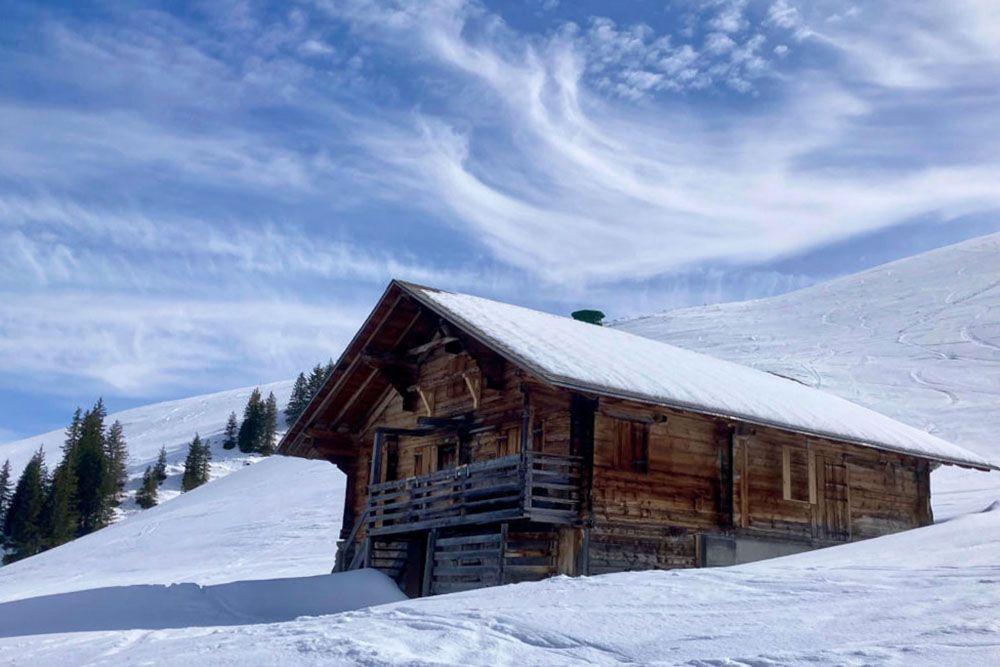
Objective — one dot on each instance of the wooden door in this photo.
(836, 502)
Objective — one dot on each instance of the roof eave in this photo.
(415, 291)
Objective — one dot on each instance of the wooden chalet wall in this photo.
(705, 476)
(658, 484)
(790, 486)
(452, 385)
(644, 520)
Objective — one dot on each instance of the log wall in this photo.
(659, 478)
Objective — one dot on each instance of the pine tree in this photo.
(204, 467)
(316, 379)
(299, 399)
(61, 519)
(270, 435)
(6, 492)
(252, 429)
(95, 482)
(24, 521)
(196, 465)
(116, 450)
(232, 430)
(146, 496)
(160, 469)
(73, 433)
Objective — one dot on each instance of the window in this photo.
(465, 451)
(798, 475)
(447, 455)
(418, 464)
(509, 442)
(632, 445)
(391, 459)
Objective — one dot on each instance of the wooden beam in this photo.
(428, 408)
(473, 387)
(399, 373)
(491, 365)
(727, 444)
(430, 345)
(425, 588)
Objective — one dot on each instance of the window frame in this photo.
(786, 475)
(632, 445)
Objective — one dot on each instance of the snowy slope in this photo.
(924, 597)
(276, 518)
(260, 543)
(917, 339)
(170, 424)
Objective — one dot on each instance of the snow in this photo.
(923, 597)
(917, 339)
(156, 606)
(848, 605)
(612, 361)
(276, 518)
(172, 425)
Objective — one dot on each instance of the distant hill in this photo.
(917, 339)
(170, 424)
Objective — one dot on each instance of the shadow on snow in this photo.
(157, 606)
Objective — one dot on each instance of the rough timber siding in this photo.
(649, 520)
(447, 394)
(681, 488)
(884, 492)
(786, 487)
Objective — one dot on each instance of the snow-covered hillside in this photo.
(918, 339)
(925, 597)
(171, 425)
(275, 518)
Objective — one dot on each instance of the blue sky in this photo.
(197, 196)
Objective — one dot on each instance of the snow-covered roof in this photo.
(605, 361)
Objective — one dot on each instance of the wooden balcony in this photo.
(530, 485)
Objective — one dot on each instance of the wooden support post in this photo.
(584, 566)
(503, 553)
(525, 418)
(425, 587)
(925, 514)
(814, 517)
(375, 475)
(726, 480)
(745, 484)
(369, 548)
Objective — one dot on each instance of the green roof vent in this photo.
(588, 316)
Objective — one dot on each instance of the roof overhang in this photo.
(294, 443)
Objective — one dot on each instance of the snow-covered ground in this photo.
(919, 340)
(273, 519)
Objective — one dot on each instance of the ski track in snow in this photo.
(911, 339)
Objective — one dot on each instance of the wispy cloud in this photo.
(228, 187)
(577, 187)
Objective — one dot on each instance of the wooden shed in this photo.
(486, 443)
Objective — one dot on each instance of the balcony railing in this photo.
(530, 485)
